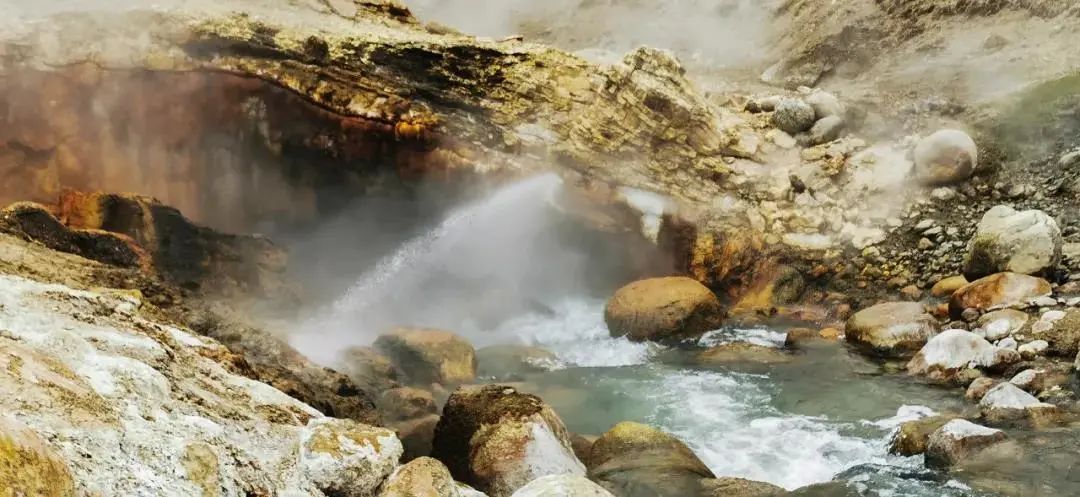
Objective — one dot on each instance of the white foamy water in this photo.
(576, 333)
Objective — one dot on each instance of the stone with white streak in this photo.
(948, 353)
(957, 440)
(1007, 402)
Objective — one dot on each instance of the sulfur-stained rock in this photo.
(498, 439)
(894, 329)
(346, 458)
(633, 457)
(426, 356)
(28, 467)
(998, 290)
(739, 487)
(662, 309)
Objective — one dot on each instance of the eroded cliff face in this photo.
(258, 113)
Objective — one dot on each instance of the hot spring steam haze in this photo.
(485, 262)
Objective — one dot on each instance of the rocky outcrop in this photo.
(662, 309)
(34, 222)
(134, 405)
(951, 352)
(998, 290)
(498, 439)
(562, 486)
(426, 356)
(1007, 240)
(634, 458)
(946, 156)
(957, 440)
(894, 329)
(1062, 334)
(275, 362)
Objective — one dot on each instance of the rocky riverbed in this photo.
(336, 248)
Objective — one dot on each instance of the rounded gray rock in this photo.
(1024, 242)
(793, 116)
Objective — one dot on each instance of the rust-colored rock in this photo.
(1002, 289)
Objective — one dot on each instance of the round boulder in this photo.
(426, 356)
(947, 156)
(498, 439)
(892, 329)
(663, 309)
(957, 440)
(562, 486)
(1024, 242)
(1001, 324)
(998, 290)
(637, 459)
(793, 116)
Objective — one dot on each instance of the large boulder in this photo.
(422, 477)
(660, 309)
(947, 156)
(637, 459)
(957, 440)
(346, 458)
(28, 466)
(498, 439)
(951, 352)
(1025, 242)
(998, 290)
(562, 486)
(893, 329)
(911, 437)
(793, 116)
(427, 356)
